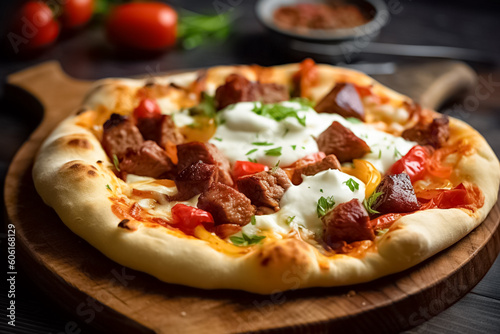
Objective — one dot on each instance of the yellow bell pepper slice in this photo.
(366, 172)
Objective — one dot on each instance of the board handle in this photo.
(54, 89)
(431, 84)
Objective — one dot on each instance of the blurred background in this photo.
(94, 39)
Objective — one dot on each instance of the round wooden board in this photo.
(76, 274)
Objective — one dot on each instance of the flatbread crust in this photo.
(71, 172)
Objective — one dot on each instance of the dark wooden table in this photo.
(85, 55)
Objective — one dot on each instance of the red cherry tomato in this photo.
(34, 27)
(306, 77)
(242, 168)
(413, 163)
(76, 13)
(186, 217)
(465, 195)
(147, 108)
(144, 26)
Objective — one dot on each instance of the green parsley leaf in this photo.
(368, 203)
(206, 107)
(379, 154)
(397, 154)
(290, 219)
(195, 29)
(278, 112)
(380, 233)
(321, 190)
(246, 240)
(353, 120)
(274, 152)
(218, 139)
(324, 205)
(275, 168)
(353, 185)
(252, 160)
(294, 147)
(252, 151)
(116, 162)
(108, 187)
(262, 143)
(253, 221)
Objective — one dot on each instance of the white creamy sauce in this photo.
(287, 140)
(300, 202)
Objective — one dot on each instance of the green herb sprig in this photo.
(368, 203)
(353, 185)
(324, 205)
(246, 240)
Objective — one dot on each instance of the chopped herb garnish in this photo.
(206, 107)
(294, 147)
(218, 139)
(275, 168)
(116, 162)
(278, 112)
(274, 152)
(379, 154)
(368, 203)
(252, 151)
(286, 132)
(303, 147)
(252, 160)
(321, 190)
(246, 240)
(397, 154)
(290, 219)
(381, 232)
(262, 143)
(108, 187)
(324, 205)
(253, 221)
(353, 120)
(353, 185)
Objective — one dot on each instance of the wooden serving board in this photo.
(121, 300)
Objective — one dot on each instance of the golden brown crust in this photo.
(73, 175)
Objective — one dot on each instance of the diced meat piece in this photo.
(344, 100)
(237, 88)
(193, 152)
(264, 188)
(160, 129)
(398, 195)
(195, 179)
(225, 230)
(169, 132)
(347, 222)
(328, 162)
(272, 93)
(148, 160)
(435, 133)
(263, 210)
(342, 142)
(227, 205)
(119, 134)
